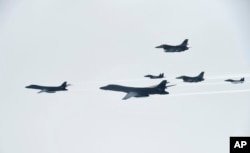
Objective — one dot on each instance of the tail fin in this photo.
(201, 75)
(64, 85)
(162, 85)
(242, 79)
(185, 42)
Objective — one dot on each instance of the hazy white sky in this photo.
(95, 43)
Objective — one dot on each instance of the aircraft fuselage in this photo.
(144, 91)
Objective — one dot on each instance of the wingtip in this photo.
(125, 97)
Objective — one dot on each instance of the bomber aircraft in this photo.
(49, 89)
(139, 91)
(178, 48)
(198, 78)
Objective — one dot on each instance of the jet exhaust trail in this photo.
(210, 92)
(227, 76)
(171, 79)
(211, 83)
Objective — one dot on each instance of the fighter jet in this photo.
(139, 91)
(236, 81)
(192, 79)
(161, 75)
(49, 89)
(178, 48)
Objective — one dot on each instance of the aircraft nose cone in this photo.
(158, 46)
(180, 77)
(103, 88)
(27, 86)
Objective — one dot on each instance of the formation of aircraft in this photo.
(161, 75)
(178, 48)
(198, 78)
(139, 91)
(49, 89)
(236, 81)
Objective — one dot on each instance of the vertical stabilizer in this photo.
(201, 75)
(64, 85)
(162, 85)
(185, 42)
(242, 79)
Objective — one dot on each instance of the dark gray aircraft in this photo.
(161, 75)
(139, 92)
(192, 79)
(178, 48)
(49, 89)
(236, 81)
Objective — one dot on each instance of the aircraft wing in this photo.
(43, 90)
(134, 94)
(47, 90)
(169, 49)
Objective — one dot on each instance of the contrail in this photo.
(210, 92)
(227, 76)
(171, 79)
(92, 86)
(179, 84)
(212, 83)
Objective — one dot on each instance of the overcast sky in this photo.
(94, 43)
